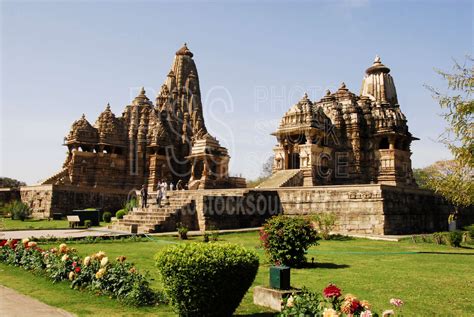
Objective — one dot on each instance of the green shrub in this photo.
(107, 217)
(130, 204)
(18, 210)
(306, 303)
(120, 214)
(87, 223)
(206, 279)
(470, 229)
(182, 231)
(454, 238)
(286, 239)
(325, 223)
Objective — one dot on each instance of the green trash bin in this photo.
(280, 277)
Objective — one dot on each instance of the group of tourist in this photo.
(161, 189)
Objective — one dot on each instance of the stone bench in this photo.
(73, 221)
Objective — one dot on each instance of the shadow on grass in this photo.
(446, 253)
(340, 237)
(323, 265)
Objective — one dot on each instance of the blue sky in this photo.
(62, 59)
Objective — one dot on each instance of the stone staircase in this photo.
(283, 178)
(154, 218)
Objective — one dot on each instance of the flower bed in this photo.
(118, 279)
(333, 304)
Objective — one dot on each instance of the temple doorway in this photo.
(294, 161)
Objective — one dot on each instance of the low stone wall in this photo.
(370, 209)
(45, 200)
(244, 210)
(9, 194)
(359, 208)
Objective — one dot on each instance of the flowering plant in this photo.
(331, 304)
(117, 279)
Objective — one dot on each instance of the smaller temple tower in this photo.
(347, 139)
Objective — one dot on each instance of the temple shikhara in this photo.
(345, 138)
(163, 140)
(345, 154)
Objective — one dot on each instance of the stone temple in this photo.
(346, 154)
(151, 141)
(345, 138)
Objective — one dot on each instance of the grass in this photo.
(32, 224)
(433, 280)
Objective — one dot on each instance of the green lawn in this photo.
(432, 280)
(32, 224)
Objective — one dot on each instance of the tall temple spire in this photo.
(378, 85)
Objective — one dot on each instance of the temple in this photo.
(344, 138)
(151, 141)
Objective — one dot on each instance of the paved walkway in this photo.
(102, 232)
(14, 304)
(59, 233)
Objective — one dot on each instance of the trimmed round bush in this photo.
(120, 214)
(107, 217)
(206, 279)
(286, 239)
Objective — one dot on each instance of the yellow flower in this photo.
(329, 312)
(65, 258)
(63, 248)
(25, 241)
(100, 255)
(32, 244)
(365, 304)
(87, 260)
(100, 273)
(121, 259)
(290, 302)
(104, 261)
(72, 275)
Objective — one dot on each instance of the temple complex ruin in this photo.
(345, 154)
(345, 138)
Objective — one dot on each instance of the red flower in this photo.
(2, 242)
(77, 269)
(355, 305)
(74, 264)
(332, 291)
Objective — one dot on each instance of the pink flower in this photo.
(366, 313)
(396, 302)
(388, 313)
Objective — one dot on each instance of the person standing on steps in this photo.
(144, 194)
(159, 195)
(164, 187)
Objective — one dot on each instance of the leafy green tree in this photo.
(454, 179)
(6, 182)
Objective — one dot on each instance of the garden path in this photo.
(14, 304)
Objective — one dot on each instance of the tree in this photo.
(267, 167)
(448, 179)
(454, 179)
(6, 182)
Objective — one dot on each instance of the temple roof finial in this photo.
(108, 106)
(343, 85)
(142, 91)
(83, 117)
(328, 92)
(184, 51)
(377, 59)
